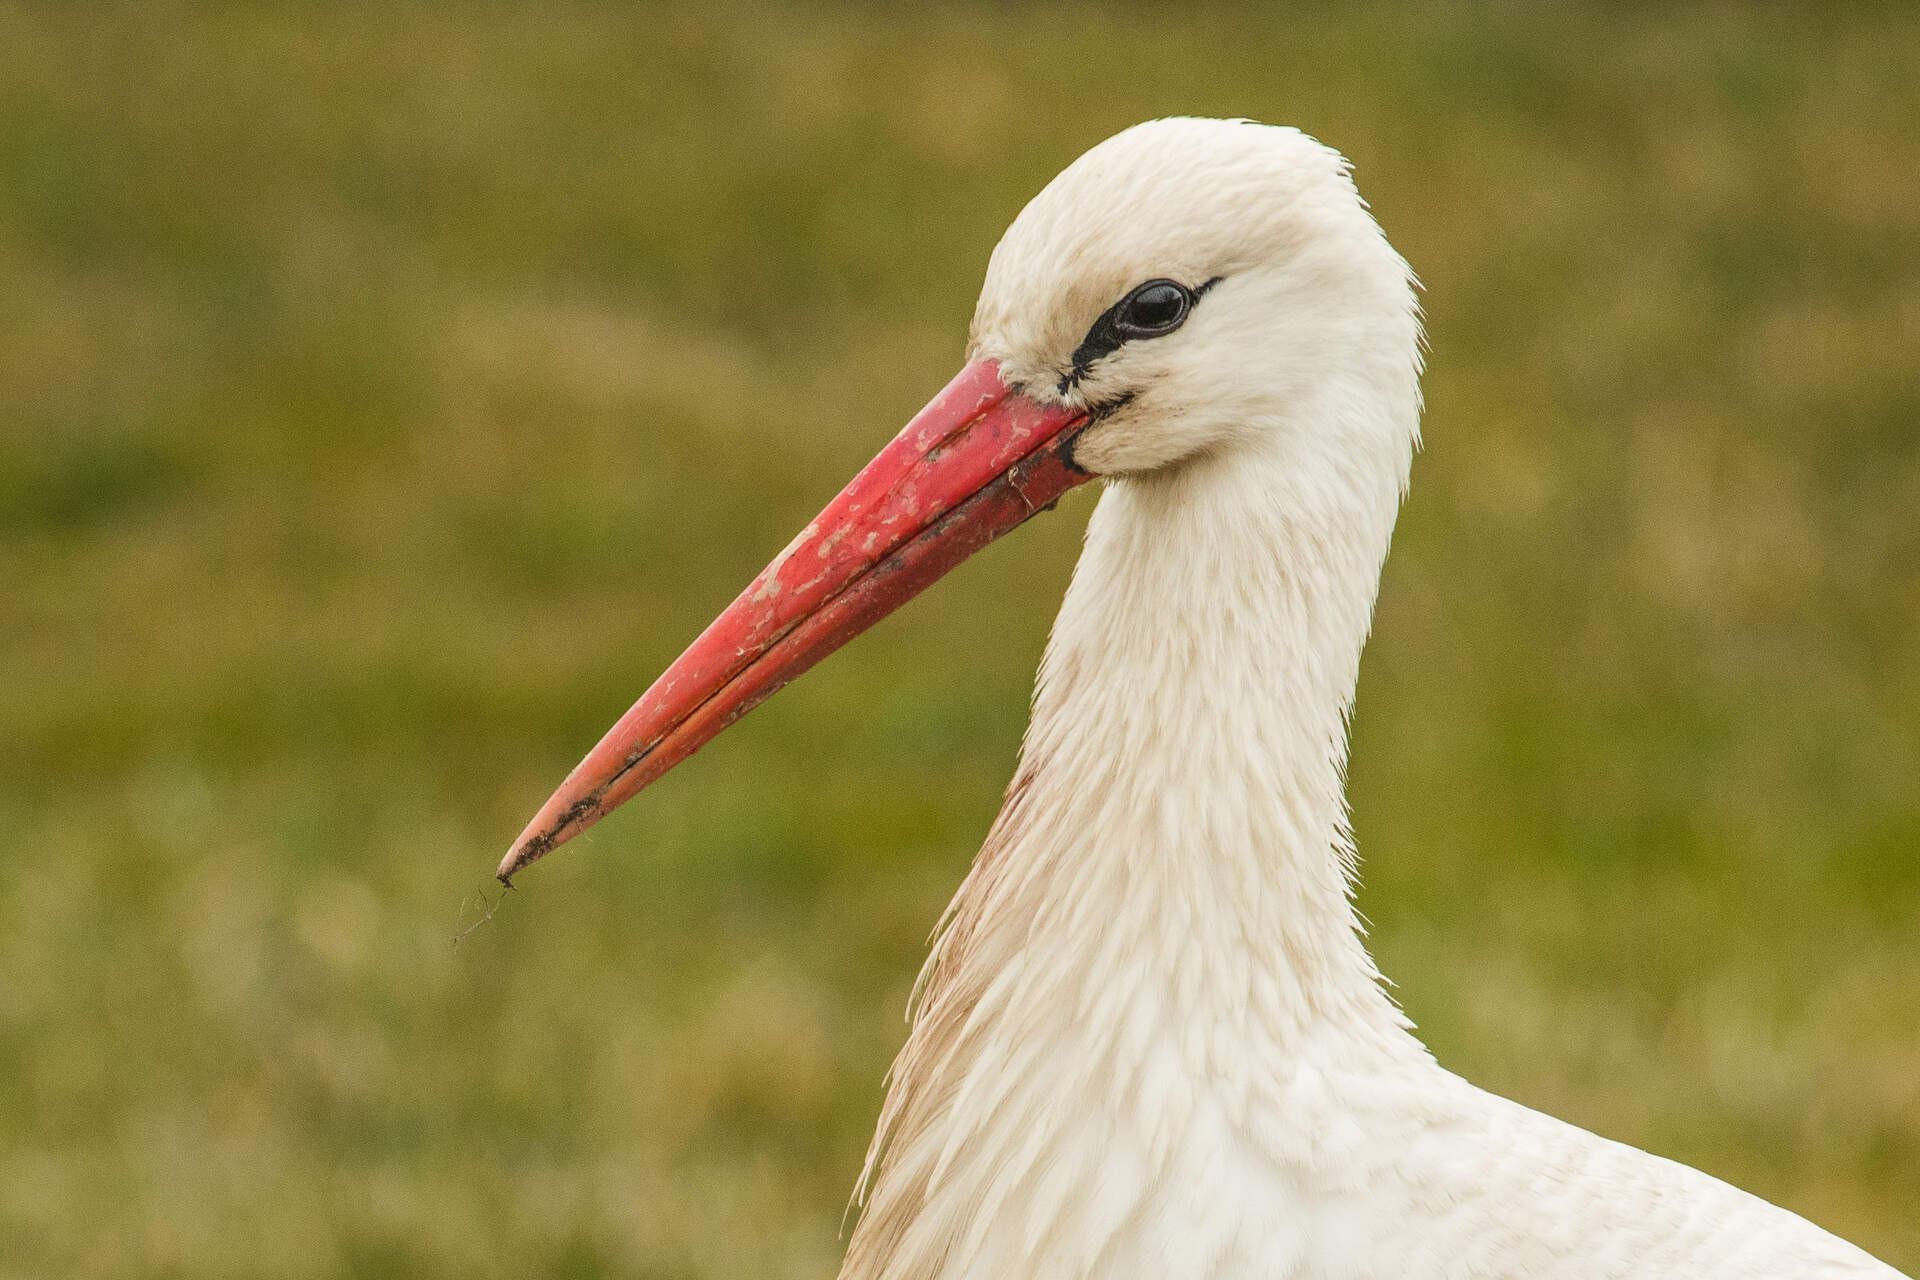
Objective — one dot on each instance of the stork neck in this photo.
(1182, 780)
(1159, 923)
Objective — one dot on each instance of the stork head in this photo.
(1187, 283)
(1182, 289)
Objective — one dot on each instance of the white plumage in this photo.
(1149, 1041)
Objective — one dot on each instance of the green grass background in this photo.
(388, 391)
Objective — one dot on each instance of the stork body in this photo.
(1149, 1041)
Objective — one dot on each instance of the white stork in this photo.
(1149, 1041)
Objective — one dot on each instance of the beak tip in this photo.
(529, 848)
(509, 867)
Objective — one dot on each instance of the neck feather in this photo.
(1169, 881)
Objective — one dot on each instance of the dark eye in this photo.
(1152, 310)
(1155, 308)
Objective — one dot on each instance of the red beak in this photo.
(977, 461)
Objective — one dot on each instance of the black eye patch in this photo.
(1150, 310)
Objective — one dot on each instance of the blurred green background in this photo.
(388, 391)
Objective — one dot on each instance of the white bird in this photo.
(1149, 1041)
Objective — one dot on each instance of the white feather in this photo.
(1150, 1041)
